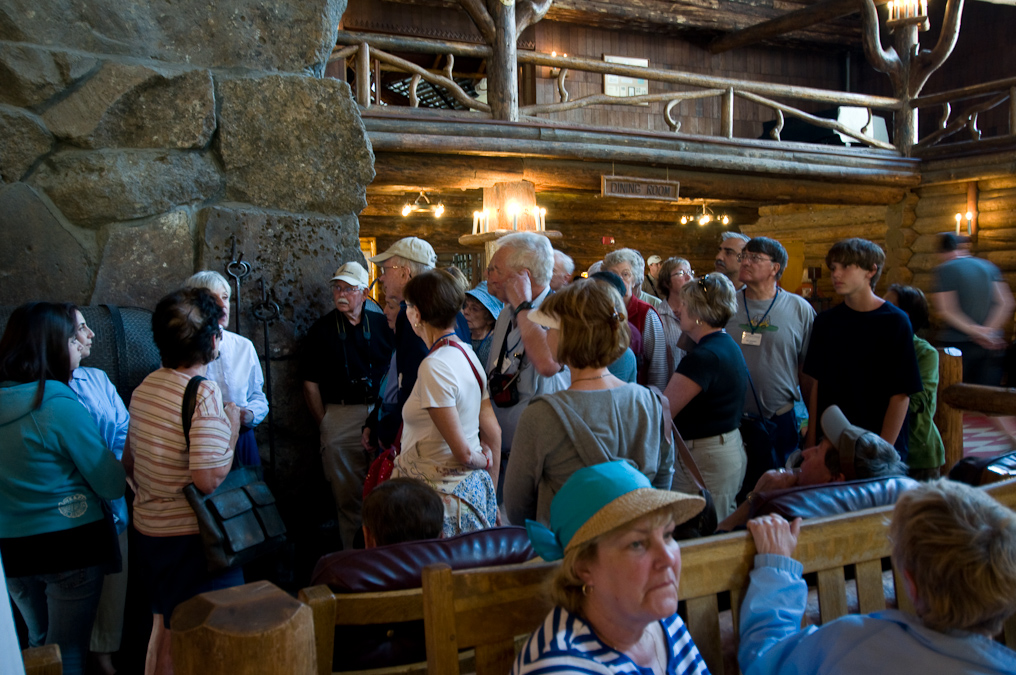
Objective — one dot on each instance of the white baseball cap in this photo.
(353, 274)
(410, 248)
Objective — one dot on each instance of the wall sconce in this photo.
(554, 72)
(416, 207)
(969, 215)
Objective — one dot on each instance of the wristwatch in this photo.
(523, 306)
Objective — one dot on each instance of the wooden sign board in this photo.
(638, 188)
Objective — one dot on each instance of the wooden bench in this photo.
(716, 565)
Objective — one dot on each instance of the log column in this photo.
(253, 629)
(502, 79)
(948, 419)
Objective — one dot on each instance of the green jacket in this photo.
(54, 465)
(927, 451)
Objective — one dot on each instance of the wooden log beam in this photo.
(820, 12)
(401, 172)
(979, 398)
(949, 419)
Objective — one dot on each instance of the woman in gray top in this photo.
(599, 418)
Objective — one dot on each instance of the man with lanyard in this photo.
(403, 260)
(344, 358)
(773, 328)
(650, 286)
(520, 365)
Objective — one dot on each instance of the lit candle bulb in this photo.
(959, 218)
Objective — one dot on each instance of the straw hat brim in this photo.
(633, 505)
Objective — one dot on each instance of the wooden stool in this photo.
(255, 628)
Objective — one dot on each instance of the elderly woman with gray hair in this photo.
(237, 370)
(674, 273)
(653, 368)
(706, 393)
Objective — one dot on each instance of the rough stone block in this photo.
(131, 106)
(30, 75)
(102, 186)
(294, 143)
(295, 254)
(274, 35)
(41, 258)
(142, 263)
(23, 140)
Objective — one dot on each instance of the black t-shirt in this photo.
(347, 362)
(861, 360)
(716, 365)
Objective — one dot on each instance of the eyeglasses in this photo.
(389, 268)
(753, 258)
(626, 274)
(680, 273)
(347, 290)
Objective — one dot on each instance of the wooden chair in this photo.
(484, 609)
(715, 565)
(360, 609)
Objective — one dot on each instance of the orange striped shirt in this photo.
(162, 465)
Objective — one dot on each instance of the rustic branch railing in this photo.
(989, 95)
(365, 48)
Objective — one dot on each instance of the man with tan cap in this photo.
(403, 260)
(344, 358)
(649, 286)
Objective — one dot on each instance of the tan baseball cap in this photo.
(410, 248)
(353, 274)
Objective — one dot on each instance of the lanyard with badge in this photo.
(751, 337)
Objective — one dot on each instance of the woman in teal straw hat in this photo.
(616, 589)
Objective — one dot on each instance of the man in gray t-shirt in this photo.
(773, 328)
(975, 303)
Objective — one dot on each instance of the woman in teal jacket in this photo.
(55, 470)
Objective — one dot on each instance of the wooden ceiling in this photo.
(698, 20)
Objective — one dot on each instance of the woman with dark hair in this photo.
(54, 472)
(599, 418)
(186, 329)
(706, 393)
(926, 449)
(450, 437)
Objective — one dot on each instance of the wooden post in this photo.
(256, 628)
(905, 126)
(363, 75)
(502, 70)
(727, 114)
(949, 419)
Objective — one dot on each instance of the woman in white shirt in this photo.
(237, 371)
(450, 437)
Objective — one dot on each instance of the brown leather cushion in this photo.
(400, 566)
(830, 499)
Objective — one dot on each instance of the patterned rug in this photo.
(981, 438)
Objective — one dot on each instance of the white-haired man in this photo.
(345, 356)
(403, 260)
(653, 365)
(728, 258)
(519, 276)
(564, 268)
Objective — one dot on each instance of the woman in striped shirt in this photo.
(616, 589)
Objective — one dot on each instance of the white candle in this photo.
(958, 219)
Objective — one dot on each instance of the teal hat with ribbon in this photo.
(597, 499)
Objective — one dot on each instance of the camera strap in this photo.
(340, 321)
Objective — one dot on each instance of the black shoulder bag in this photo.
(239, 521)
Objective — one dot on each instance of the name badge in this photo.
(749, 338)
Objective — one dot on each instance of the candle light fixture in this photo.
(969, 215)
(437, 210)
(704, 217)
(908, 13)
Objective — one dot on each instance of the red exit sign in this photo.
(607, 241)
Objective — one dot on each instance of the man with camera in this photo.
(345, 356)
(521, 364)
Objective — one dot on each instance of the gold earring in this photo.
(585, 590)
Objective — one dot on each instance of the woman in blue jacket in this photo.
(55, 470)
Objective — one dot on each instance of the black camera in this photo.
(504, 389)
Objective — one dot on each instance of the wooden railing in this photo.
(369, 55)
(978, 98)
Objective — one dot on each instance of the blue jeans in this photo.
(60, 609)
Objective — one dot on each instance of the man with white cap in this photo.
(403, 260)
(653, 263)
(847, 452)
(344, 358)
